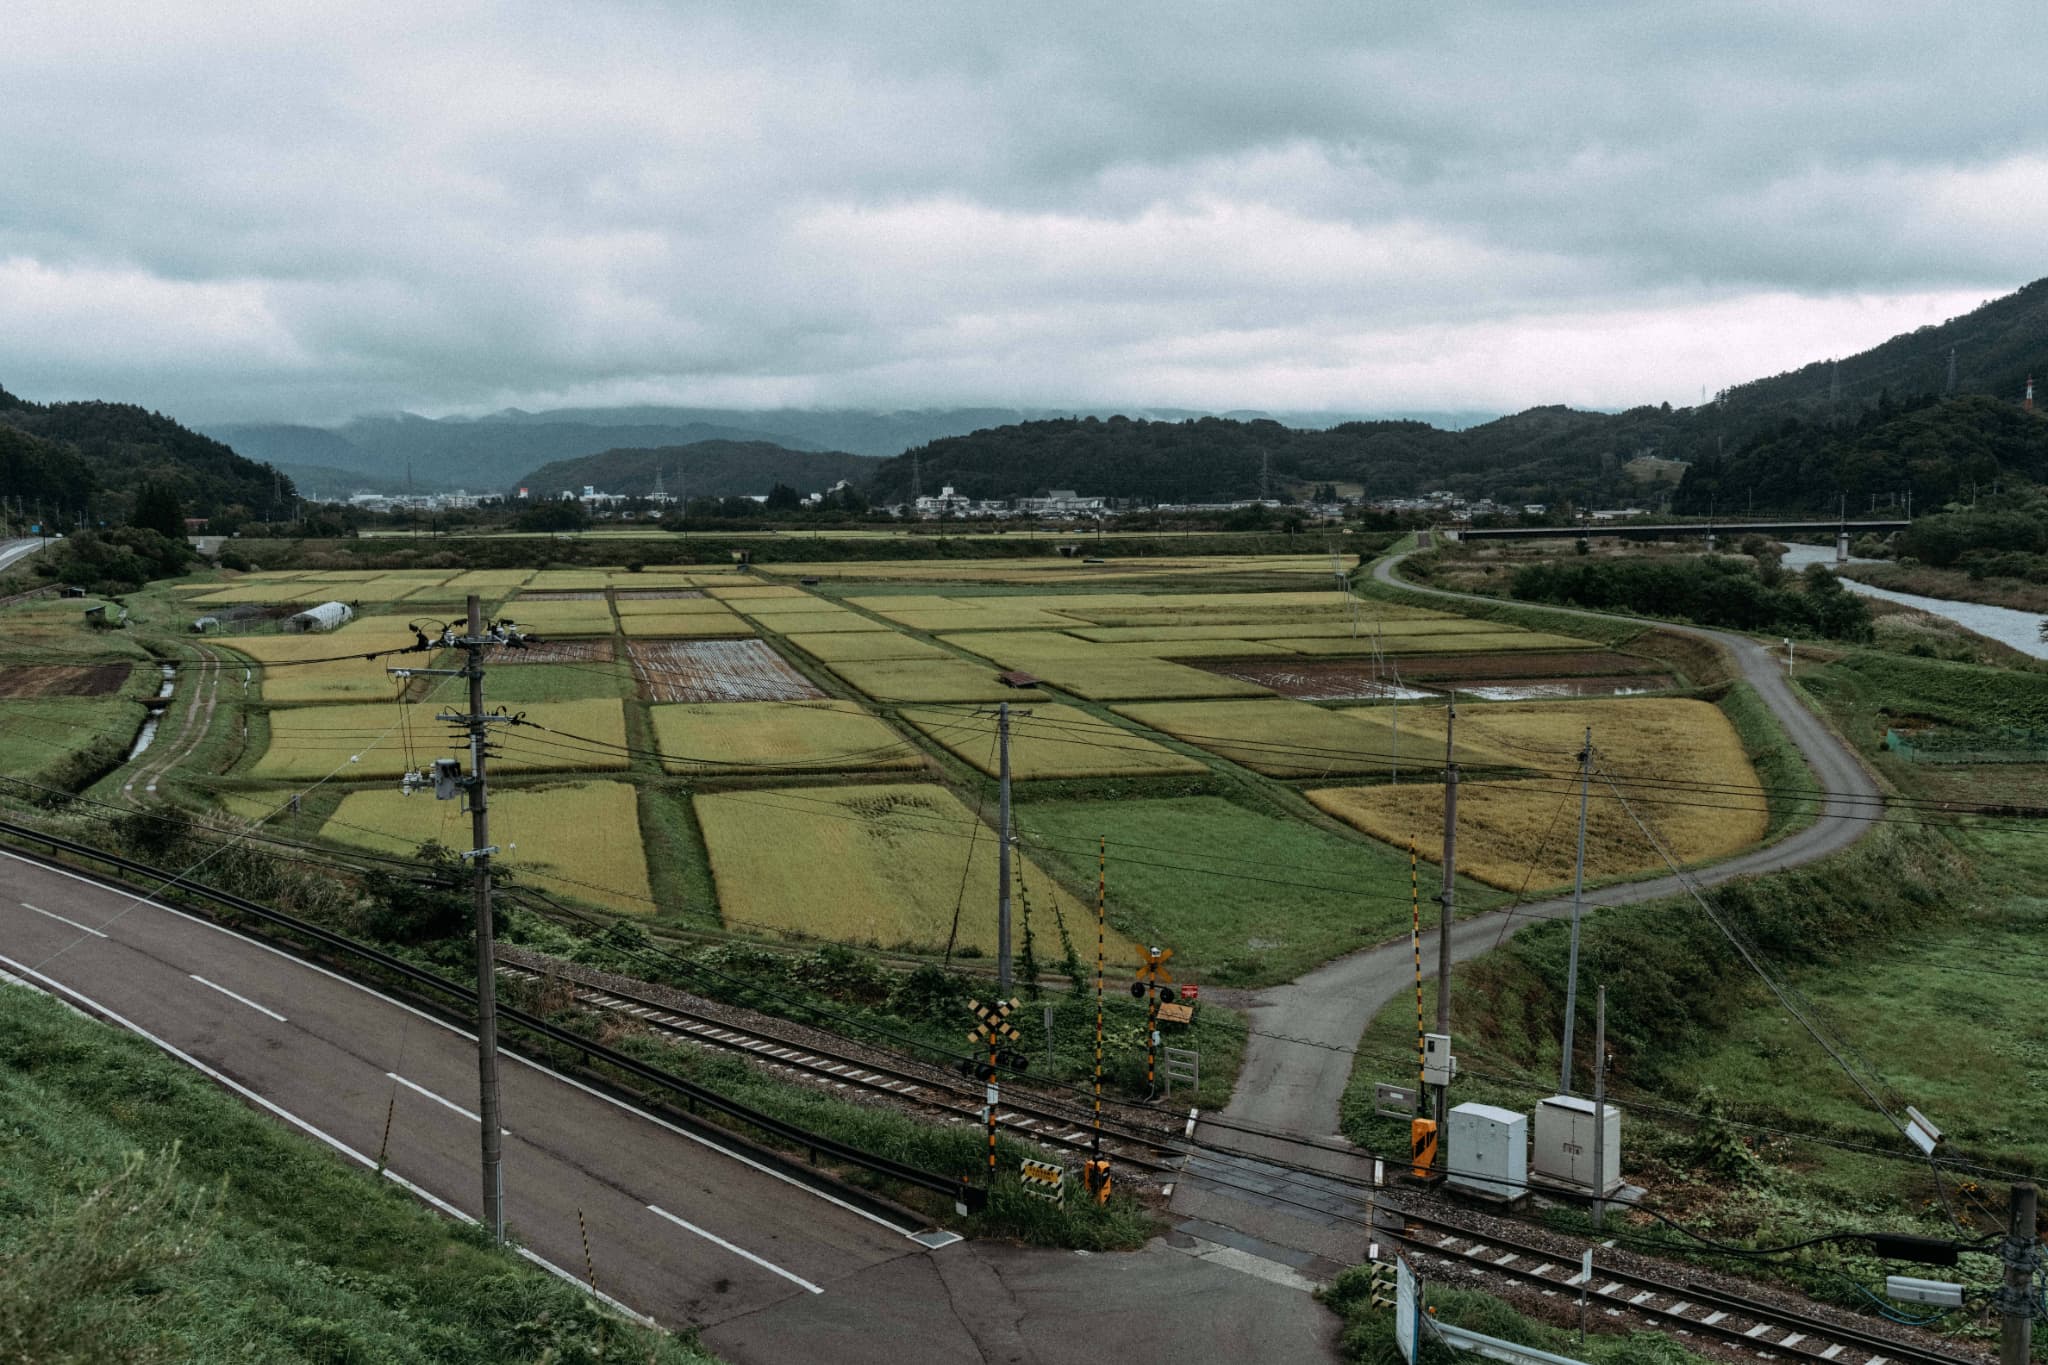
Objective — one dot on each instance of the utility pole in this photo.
(1448, 898)
(486, 947)
(1002, 715)
(2017, 1299)
(447, 786)
(1600, 1111)
(1571, 980)
(1003, 857)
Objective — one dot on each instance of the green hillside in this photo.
(707, 469)
(87, 460)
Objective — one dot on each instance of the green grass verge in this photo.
(144, 1214)
(1264, 900)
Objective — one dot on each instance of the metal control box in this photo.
(1489, 1152)
(1439, 1067)
(1564, 1145)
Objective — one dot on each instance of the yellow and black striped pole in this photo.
(992, 1108)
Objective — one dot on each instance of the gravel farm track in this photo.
(1293, 1087)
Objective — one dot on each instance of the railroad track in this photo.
(1688, 1308)
(927, 1088)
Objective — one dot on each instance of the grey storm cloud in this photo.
(297, 212)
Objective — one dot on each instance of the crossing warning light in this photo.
(1421, 1147)
(1095, 1177)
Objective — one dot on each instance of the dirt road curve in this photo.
(1294, 1087)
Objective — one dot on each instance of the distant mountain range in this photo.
(500, 450)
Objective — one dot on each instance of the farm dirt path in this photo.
(171, 750)
(1294, 1086)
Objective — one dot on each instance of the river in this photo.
(2020, 629)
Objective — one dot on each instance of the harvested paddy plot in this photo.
(716, 670)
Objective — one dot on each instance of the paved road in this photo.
(1295, 1088)
(13, 550)
(681, 1229)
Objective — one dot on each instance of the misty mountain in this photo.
(708, 469)
(475, 453)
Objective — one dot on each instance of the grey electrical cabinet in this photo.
(1489, 1151)
(1564, 1145)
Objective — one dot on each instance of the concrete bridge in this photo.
(1842, 531)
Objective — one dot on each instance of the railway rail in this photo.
(924, 1087)
(1687, 1307)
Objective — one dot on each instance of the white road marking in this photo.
(417, 1088)
(439, 1022)
(48, 914)
(260, 1009)
(739, 1251)
(60, 990)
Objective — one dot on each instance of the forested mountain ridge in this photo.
(88, 459)
(1939, 449)
(708, 469)
(1867, 423)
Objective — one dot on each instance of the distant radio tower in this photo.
(1834, 383)
(1265, 475)
(1951, 370)
(916, 477)
(2027, 403)
(657, 482)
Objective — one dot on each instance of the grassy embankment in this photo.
(146, 1215)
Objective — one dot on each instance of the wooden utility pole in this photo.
(1448, 896)
(2018, 1300)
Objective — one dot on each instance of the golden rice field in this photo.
(1673, 739)
(1051, 741)
(822, 623)
(722, 738)
(358, 741)
(1196, 567)
(1285, 738)
(1498, 640)
(539, 616)
(686, 625)
(1105, 675)
(671, 606)
(859, 646)
(919, 680)
(875, 864)
(1037, 643)
(354, 679)
(579, 840)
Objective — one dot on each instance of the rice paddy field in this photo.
(819, 757)
(1512, 833)
(580, 840)
(1049, 740)
(719, 738)
(882, 865)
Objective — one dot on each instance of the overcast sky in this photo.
(306, 210)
